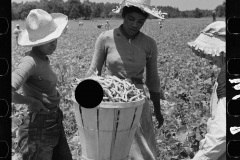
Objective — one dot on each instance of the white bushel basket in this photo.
(106, 132)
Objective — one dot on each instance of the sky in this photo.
(182, 5)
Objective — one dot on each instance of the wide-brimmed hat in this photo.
(211, 42)
(144, 5)
(42, 28)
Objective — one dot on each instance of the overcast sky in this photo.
(180, 4)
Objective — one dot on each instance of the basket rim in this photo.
(116, 104)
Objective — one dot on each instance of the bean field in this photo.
(186, 82)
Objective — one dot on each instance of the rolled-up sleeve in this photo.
(152, 77)
(23, 71)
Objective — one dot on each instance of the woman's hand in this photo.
(158, 114)
(160, 119)
(35, 106)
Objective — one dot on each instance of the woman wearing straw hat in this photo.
(211, 45)
(41, 135)
(126, 52)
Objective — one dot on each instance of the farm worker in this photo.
(211, 45)
(160, 24)
(41, 135)
(126, 52)
(214, 15)
(107, 25)
(16, 32)
(80, 24)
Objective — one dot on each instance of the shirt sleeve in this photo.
(23, 71)
(152, 77)
(16, 31)
(99, 56)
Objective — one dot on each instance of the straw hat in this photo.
(42, 28)
(211, 42)
(144, 5)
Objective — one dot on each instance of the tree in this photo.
(15, 14)
(108, 7)
(57, 7)
(75, 9)
(97, 10)
(221, 9)
(74, 13)
(197, 13)
(26, 8)
(87, 10)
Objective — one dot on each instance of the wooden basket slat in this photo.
(123, 130)
(91, 132)
(98, 143)
(80, 128)
(138, 116)
(134, 127)
(106, 119)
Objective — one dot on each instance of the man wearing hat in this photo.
(16, 32)
(127, 52)
(41, 134)
(211, 44)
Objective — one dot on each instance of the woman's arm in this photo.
(153, 83)
(99, 56)
(152, 77)
(30, 101)
(20, 99)
(24, 70)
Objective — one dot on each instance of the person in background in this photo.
(211, 44)
(127, 52)
(16, 32)
(41, 135)
(107, 25)
(214, 15)
(160, 24)
(162, 20)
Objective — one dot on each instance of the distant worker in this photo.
(80, 24)
(16, 32)
(107, 25)
(214, 15)
(160, 24)
(162, 20)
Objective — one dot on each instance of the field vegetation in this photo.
(186, 82)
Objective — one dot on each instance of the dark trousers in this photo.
(43, 139)
(214, 18)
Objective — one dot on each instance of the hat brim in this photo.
(60, 19)
(207, 47)
(143, 7)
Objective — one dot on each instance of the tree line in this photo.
(76, 9)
